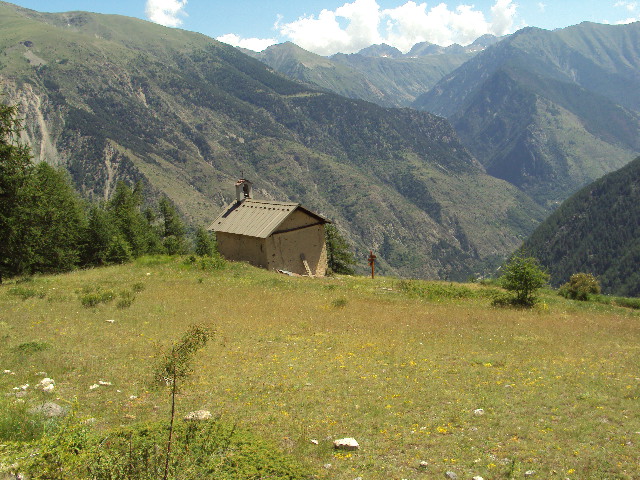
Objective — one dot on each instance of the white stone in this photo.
(198, 415)
(103, 383)
(477, 477)
(346, 444)
(49, 410)
(424, 464)
(478, 411)
(94, 386)
(451, 475)
(314, 441)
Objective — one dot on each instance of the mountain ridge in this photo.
(186, 115)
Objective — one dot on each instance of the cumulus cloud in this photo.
(361, 23)
(325, 33)
(631, 7)
(255, 44)
(166, 12)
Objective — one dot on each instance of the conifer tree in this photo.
(340, 258)
(15, 168)
(205, 243)
(55, 222)
(174, 240)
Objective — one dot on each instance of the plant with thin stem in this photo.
(176, 365)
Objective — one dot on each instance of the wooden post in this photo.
(372, 262)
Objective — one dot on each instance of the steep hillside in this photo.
(597, 230)
(379, 74)
(111, 98)
(548, 111)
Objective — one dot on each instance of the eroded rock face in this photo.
(346, 444)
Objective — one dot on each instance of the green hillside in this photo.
(414, 371)
(548, 111)
(112, 98)
(597, 230)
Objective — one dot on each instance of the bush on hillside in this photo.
(523, 277)
(581, 286)
(203, 449)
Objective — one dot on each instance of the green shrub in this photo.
(581, 286)
(32, 347)
(523, 277)
(25, 292)
(18, 424)
(94, 298)
(340, 302)
(126, 298)
(204, 449)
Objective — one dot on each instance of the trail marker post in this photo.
(372, 262)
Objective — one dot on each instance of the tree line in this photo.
(46, 228)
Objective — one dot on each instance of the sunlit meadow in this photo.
(450, 382)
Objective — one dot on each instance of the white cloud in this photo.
(361, 23)
(166, 12)
(255, 44)
(324, 34)
(542, 7)
(631, 6)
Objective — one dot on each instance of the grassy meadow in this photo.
(414, 371)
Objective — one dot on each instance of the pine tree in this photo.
(15, 169)
(56, 220)
(173, 239)
(205, 243)
(339, 255)
(130, 222)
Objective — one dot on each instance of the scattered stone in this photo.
(198, 415)
(478, 411)
(477, 477)
(327, 466)
(314, 441)
(110, 321)
(133, 397)
(451, 475)
(8, 372)
(21, 393)
(94, 386)
(103, 383)
(424, 464)
(46, 384)
(49, 410)
(529, 473)
(346, 444)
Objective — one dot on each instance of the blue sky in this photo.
(328, 26)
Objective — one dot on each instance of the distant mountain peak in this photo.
(381, 50)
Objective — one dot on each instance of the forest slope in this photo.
(597, 230)
(114, 98)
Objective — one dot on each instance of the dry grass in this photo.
(297, 359)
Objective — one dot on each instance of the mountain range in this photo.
(380, 73)
(548, 111)
(113, 98)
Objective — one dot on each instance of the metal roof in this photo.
(257, 218)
